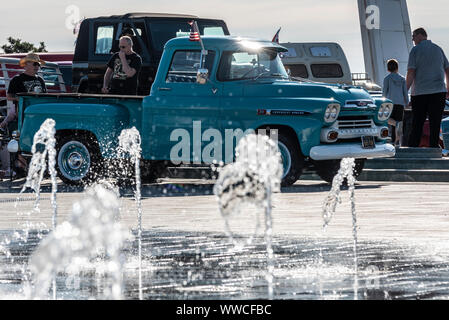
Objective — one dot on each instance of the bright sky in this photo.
(301, 20)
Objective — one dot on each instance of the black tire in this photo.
(78, 160)
(290, 153)
(327, 169)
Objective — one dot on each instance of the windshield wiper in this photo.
(271, 75)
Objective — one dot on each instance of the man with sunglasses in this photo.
(122, 74)
(28, 81)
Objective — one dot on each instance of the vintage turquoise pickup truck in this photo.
(201, 102)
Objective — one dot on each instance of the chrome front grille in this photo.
(354, 122)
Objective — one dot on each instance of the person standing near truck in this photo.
(28, 81)
(395, 89)
(427, 67)
(121, 76)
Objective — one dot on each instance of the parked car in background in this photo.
(52, 76)
(323, 62)
(46, 56)
(65, 67)
(98, 38)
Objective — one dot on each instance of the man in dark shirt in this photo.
(122, 74)
(28, 81)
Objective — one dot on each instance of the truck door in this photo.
(186, 111)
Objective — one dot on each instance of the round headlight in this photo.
(331, 113)
(385, 111)
(334, 112)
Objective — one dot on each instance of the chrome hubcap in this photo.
(75, 161)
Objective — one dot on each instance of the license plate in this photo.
(368, 142)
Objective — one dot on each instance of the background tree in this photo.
(19, 46)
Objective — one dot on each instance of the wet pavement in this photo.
(403, 244)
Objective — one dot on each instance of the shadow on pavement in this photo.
(172, 188)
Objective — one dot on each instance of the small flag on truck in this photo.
(195, 36)
(194, 33)
(276, 36)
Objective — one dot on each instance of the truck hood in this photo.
(341, 93)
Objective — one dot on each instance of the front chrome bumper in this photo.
(351, 150)
(351, 133)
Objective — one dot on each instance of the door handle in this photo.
(164, 89)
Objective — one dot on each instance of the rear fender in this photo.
(104, 121)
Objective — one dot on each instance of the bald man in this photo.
(121, 76)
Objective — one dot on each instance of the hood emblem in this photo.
(362, 104)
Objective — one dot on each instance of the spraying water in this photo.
(92, 229)
(253, 177)
(333, 198)
(44, 143)
(129, 142)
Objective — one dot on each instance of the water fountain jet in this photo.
(93, 228)
(251, 179)
(129, 142)
(345, 174)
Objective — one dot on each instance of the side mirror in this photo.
(201, 76)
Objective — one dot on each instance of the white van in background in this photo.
(322, 62)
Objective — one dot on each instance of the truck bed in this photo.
(82, 95)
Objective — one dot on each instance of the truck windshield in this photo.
(163, 31)
(240, 65)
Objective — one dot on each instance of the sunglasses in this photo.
(36, 64)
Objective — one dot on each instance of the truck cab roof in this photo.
(226, 43)
(132, 15)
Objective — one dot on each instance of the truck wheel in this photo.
(327, 169)
(78, 161)
(292, 160)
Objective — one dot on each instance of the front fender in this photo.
(304, 115)
(308, 130)
(105, 121)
